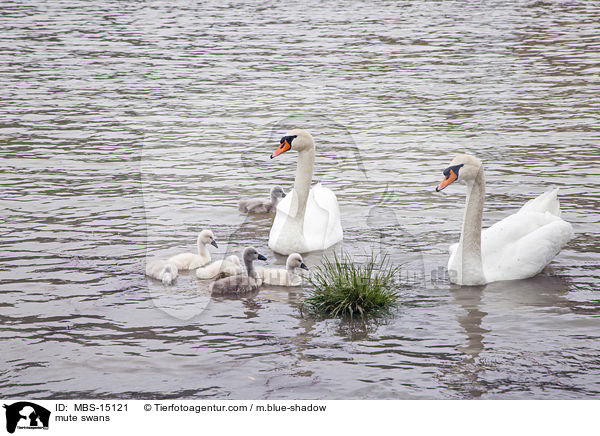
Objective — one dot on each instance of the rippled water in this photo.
(126, 127)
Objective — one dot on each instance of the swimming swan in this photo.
(185, 261)
(260, 205)
(306, 219)
(283, 277)
(240, 283)
(229, 266)
(162, 270)
(517, 247)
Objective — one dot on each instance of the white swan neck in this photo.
(202, 250)
(304, 173)
(469, 247)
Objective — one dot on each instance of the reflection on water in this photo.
(128, 128)
(469, 300)
(510, 300)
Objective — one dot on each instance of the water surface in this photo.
(128, 127)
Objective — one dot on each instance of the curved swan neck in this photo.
(202, 250)
(470, 238)
(304, 173)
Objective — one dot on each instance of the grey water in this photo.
(127, 127)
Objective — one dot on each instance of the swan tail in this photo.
(546, 202)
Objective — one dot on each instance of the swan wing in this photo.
(154, 267)
(452, 249)
(451, 261)
(322, 222)
(533, 215)
(546, 202)
(209, 271)
(182, 260)
(278, 236)
(285, 205)
(185, 261)
(529, 253)
(231, 268)
(272, 276)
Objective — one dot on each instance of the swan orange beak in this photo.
(449, 179)
(283, 147)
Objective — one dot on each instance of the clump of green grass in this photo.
(343, 288)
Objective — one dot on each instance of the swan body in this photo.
(240, 284)
(260, 205)
(187, 261)
(517, 247)
(307, 219)
(229, 266)
(162, 270)
(283, 277)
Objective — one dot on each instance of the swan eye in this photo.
(287, 139)
(454, 169)
(450, 175)
(285, 144)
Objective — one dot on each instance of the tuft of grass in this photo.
(343, 288)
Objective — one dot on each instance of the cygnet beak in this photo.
(261, 257)
(214, 244)
(303, 266)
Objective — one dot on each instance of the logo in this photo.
(26, 415)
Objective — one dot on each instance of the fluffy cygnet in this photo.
(283, 277)
(162, 270)
(261, 205)
(240, 283)
(185, 261)
(229, 266)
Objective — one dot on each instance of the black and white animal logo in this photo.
(26, 415)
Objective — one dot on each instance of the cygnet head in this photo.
(463, 168)
(297, 139)
(207, 237)
(294, 261)
(277, 194)
(250, 254)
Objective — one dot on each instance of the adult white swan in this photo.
(306, 219)
(517, 247)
